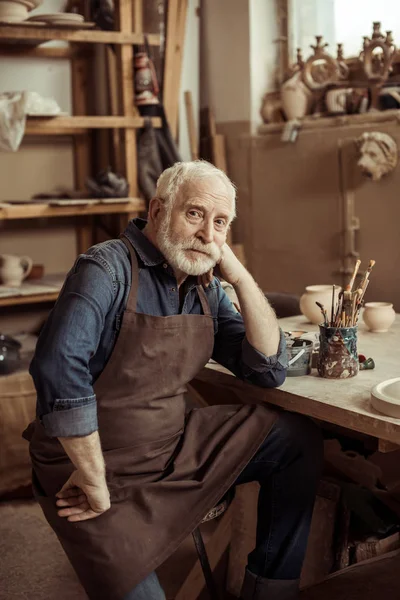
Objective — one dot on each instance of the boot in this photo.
(260, 588)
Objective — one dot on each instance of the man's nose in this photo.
(206, 233)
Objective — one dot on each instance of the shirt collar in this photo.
(148, 253)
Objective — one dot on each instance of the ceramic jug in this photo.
(14, 269)
(317, 293)
(296, 98)
(378, 316)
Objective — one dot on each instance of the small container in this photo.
(378, 316)
(10, 358)
(299, 354)
(338, 358)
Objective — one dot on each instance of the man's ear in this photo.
(156, 208)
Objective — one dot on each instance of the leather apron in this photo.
(165, 468)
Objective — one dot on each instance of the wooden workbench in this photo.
(342, 402)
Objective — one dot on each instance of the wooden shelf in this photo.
(37, 211)
(22, 50)
(20, 33)
(79, 125)
(34, 299)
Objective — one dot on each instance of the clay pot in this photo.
(296, 97)
(317, 293)
(378, 316)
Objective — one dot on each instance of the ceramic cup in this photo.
(378, 316)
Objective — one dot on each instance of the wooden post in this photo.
(126, 84)
(176, 23)
(194, 145)
(82, 162)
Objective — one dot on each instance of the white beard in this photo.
(177, 252)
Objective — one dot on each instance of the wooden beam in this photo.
(194, 144)
(40, 52)
(385, 446)
(82, 150)
(37, 210)
(114, 106)
(176, 23)
(45, 34)
(77, 125)
(358, 121)
(125, 67)
(33, 299)
(138, 16)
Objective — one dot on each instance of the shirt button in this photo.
(165, 266)
(173, 289)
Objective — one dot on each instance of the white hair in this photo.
(171, 180)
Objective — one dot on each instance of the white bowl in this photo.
(51, 17)
(12, 11)
(385, 397)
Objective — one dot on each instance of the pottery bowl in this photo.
(385, 397)
(13, 11)
(378, 316)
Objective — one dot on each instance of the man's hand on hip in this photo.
(82, 498)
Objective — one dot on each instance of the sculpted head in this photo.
(378, 154)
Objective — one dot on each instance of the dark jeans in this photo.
(287, 466)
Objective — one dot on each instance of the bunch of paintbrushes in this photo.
(345, 310)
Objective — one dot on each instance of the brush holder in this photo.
(338, 357)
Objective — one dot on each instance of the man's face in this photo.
(192, 235)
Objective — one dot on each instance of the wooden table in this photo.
(339, 402)
(342, 402)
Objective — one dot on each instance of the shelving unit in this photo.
(44, 210)
(33, 299)
(21, 40)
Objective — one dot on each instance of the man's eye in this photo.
(220, 222)
(194, 213)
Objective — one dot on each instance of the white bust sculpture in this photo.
(378, 154)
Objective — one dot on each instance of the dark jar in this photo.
(338, 357)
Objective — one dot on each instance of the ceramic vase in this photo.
(378, 316)
(295, 97)
(313, 294)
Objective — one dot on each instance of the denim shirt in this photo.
(81, 330)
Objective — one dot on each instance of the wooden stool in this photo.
(215, 512)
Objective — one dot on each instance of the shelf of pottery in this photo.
(328, 84)
(106, 195)
(16, 12)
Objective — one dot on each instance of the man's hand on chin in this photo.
(229, 268)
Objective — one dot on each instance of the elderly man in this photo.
(122, 471)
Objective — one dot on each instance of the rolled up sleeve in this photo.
(265, 370)
(66, 402)
(234, 351)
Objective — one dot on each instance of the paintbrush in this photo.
(333, 305)
(324, 313)
(338, 309)
(353, 308)
(367, 274)
(349, 286)
(346, 307)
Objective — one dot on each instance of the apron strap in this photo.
(204, 301)
(132, 298)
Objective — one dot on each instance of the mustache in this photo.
(210, 249)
